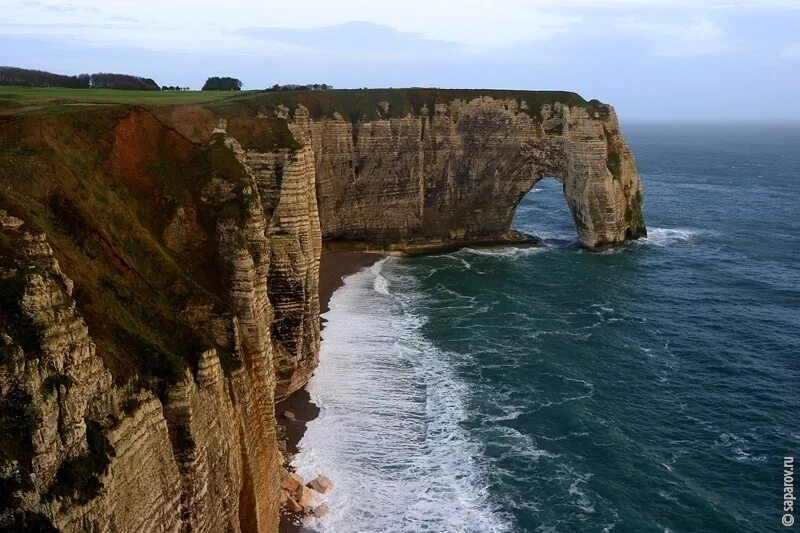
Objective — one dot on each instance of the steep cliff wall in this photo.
(140, 396)
(159, 274)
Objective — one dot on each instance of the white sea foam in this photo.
(389, 431)
(505, 251)
(381, 284)
(581, 499)
(667, 236)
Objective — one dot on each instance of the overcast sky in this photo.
(652, 59)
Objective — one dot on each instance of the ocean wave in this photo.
(667, 236)
(508, 416)
(581, 498)
(380, 284)
(390, 430)
(740, 447)
(504, 251)
(656, 236)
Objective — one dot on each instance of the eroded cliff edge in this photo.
(418, 168)
(159, 274)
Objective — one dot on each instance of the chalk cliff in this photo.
(454, 172)
(159, 275)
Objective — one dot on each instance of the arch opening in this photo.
(544, 213)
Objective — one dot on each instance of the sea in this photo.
(654, 387)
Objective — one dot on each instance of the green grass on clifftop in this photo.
(353, 104)
(21, 97)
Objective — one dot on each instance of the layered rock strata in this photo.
(85, 450)
(455, 173)
(160, 276)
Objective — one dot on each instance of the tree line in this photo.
(105, 80)
(215, 83)
(295, 87)
(101, 80)
(40, 78)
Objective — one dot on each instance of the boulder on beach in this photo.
(322, 511)
(292, 482)
(293, 506)
(321, 484)
(309, 498)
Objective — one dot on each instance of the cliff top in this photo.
(352, 104)
(355, 104)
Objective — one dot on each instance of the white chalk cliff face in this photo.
(456, 173)
(159, 280)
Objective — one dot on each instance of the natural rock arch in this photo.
(456, 175)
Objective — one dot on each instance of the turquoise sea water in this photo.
(651, 388)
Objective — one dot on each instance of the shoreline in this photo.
(333, 268)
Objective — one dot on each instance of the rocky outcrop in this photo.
(302, 500)
(455, 172)
(287, 181)
(160, 276)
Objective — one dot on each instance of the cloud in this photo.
(670, 40)
(479, 27)
(358, 40)
(465, 22)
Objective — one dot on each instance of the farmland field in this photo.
(22, 97)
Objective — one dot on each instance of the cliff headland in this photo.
(159, 273)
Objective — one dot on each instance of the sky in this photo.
(652, 59)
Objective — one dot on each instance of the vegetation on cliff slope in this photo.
(79, 477)
(105, 185)
(352, 104)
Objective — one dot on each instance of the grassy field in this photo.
(11, 97)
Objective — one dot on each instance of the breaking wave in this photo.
(389, 431)
(667, 236)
